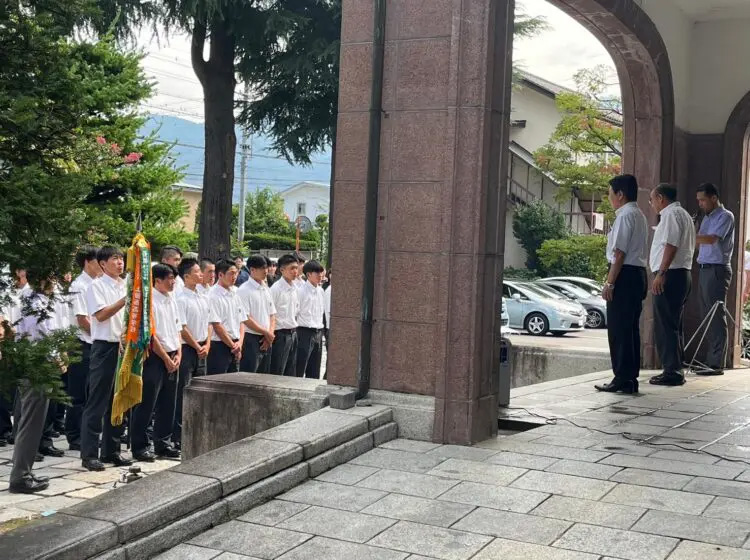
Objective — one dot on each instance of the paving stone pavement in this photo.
(557, 492)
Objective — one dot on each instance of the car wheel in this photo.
(594, 319)
(537, 324)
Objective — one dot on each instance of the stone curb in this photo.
(140, 520)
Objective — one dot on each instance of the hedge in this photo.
(258, 241)
(579, 255)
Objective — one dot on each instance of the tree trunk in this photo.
(217, 78)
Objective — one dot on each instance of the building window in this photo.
(301, 208)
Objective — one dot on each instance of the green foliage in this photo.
(323, 227)
(524, 274)
(264, 213)
(578, 255)
(585, 149)
(535, 223)
(258, 241)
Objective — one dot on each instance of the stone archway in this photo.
(441, 194)
(642, 63)
(734, 193)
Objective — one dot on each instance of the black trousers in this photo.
(714, 283)
(252, 355)
(265, 362)
(309, 352)
(160, 394)
(220, 359)
(189, 368)
(77, 375)
(281, 351)
(291, 364)
(669, 308)
(47, 440)
(623, 322)
(6, 426)
(97, 412)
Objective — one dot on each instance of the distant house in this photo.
(306, 199)
(192, 195)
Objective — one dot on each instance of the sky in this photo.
(555, 54)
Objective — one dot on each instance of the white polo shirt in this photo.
(311, 306)
(78, 289)
(226, 308)
(103, 292)
(287, 304)
(675, 228)
(630, 235)
(194, 311)
(258, 301)
(167, 321)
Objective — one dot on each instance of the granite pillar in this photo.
(440, 238)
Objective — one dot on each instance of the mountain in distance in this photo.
(265, 168)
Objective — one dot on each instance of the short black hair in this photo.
(299, 257)
(223, 265)
(709, 189)
(162, 271)
(668, 191)
(205, 261)
(86, 253)
(257, 261)
(269, 262)
(627, 185)
(312, 266)
(107, 252)
(237, 256)
(286, 260)
(186, 265)
(170, 251)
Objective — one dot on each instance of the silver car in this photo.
(591, 286)
(595, 306)
(538, 311)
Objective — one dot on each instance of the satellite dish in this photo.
(304, 224)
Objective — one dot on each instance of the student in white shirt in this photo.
(78, 372)
(226, 314)
(160, 372)
(32, 405)
(310, 321)
(105, 300)
(208, 276)
(260, 324)
(172, 255)
(671, 259)
(291, 364)
(286, 302)
(196, 335)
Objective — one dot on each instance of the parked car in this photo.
(591, 286)
(504, 317)
(538, 311)
(595, 305)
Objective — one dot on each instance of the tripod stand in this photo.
(695, 365)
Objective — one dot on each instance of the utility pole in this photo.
(246, 153)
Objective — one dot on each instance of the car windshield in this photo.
(576, 291)
(541, 292)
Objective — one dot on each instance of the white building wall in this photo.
(541, 116)
(316, 200)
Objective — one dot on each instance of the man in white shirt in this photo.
(208, 276)
(261, 321)
(172, 255)
(310, 321)
(226, 314)
(671, 260)
(105, 301)
(32, 405)
(626, 286)
(160, 372)
(286, 302)
(291, 365)
(196, 335)
(78, 372)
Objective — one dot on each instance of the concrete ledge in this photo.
(141, 519)
(385, 433)
(532, 364)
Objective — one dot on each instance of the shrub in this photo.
(535, 223)
(578, 255)
(511, 273)
(258, 241)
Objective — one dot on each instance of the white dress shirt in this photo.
(16, 305)
(226, 308)
(78, 289)
(287, 304)
(328, 307)
(31, 325)
(194, 310)
(629, 234)
(203, 290)
(311, 306)
(62, 310)
(258, 301)
(103, 292)
(675, 228)
(167, 321)
(179, 285)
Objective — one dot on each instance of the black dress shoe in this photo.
(52, 451)
(54, 434)
(38, 457)
(617, 386)
(93, 464)
(668, 379)
(40, 478)
(28, 486)
(168, 452)
(144, 456)
(117, 460)
(717, 371)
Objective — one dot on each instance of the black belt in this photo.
(712, 265)
(310, 329)
(286, 331)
